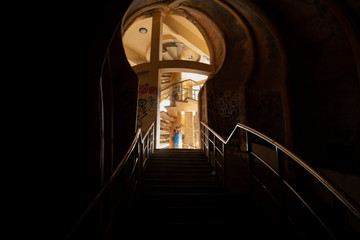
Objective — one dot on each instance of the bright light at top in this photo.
(193, 76)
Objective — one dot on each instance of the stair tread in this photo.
(179, 192)
(178, 177)
(177, 164)
(180, 168)
(164, 170)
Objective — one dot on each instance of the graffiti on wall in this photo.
(228, 105)
(145, 107)
(147, 89)
(142, 111)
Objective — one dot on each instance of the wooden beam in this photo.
(186, 66)
(186, 36)
(134, 56)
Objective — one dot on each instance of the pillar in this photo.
(189, 130)
(149, 83)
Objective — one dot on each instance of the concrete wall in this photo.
(291, 71)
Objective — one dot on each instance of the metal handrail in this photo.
(187, 80)
(278, 147)
(185, 92)
(144, 149)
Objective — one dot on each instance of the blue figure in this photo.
(177, 138)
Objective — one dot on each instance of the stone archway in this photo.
(159, 42)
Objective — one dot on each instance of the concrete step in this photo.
(185, 188)
(179, 194)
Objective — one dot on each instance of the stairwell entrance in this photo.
(179, 118)
(172, 57)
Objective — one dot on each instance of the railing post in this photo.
(208, 145)
(250, 159)
(140, 160)
(281, 170)
(225, 166)
(147, 146)
(153, 139)
(202, 135)
(143, 154)
(181, 91)
(214, 149)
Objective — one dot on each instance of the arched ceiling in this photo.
(181, 40)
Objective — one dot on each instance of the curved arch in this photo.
(185, 37)
(211, 32)
(349, 27)
(215, 43)
(228, 86)
(257, 18)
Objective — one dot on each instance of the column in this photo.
(149, 83)
(189, 129)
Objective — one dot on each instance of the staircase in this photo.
(180, 197)
(182, 97)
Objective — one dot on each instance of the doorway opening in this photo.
(171, 56)
(179, 118)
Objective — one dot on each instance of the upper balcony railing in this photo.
(116, 195)
(181, 91)
(307, 201)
